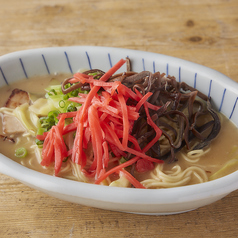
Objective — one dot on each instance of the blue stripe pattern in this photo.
(233, 109)
(23, 68)
(167, 69)
(180, 74)
(154, 67)
(47, 68)
(3, 76)
(110, 61)
(210, 88)
(222, 100)
(66, 55)
(89, 62)
(143, 63)
(195, 80)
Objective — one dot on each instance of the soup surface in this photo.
(219, 159)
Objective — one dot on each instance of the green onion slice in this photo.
(21, 152)
(61, 103)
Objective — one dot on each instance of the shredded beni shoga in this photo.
(106, 121)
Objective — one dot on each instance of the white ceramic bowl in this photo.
(223, 91)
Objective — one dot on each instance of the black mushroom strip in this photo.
(186, 117)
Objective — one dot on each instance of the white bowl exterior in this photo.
(224, 93)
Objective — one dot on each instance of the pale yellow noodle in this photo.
(26, 134)
(151, 183)
(77, 172)
(175, 177)
(66, 168)
(197, 153)
(194, 155)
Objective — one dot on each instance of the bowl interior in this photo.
(222, 90)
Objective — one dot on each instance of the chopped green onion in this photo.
(41, 131)
(49, 121)
(65, 159)
(39, 142)
(74, 93)
(71, 108)
(67, 85)
(52, 92)
(95, 74)
(21, 152)
(65, 97)
(122, 160)
(42, 119)
(61, 103)
(54, 113)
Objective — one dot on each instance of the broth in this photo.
(221, 150)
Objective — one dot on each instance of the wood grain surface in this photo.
(202, 31)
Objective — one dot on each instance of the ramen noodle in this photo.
(142, 130)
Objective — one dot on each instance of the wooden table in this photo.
(202, 31)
